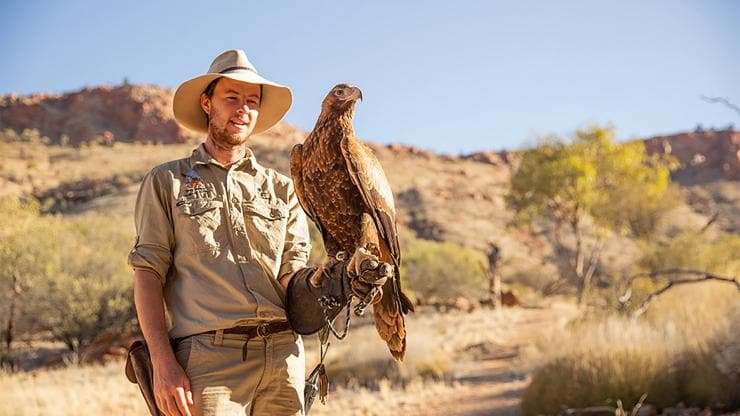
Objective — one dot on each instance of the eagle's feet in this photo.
(368, 275)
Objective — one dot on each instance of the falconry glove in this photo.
(317, 294)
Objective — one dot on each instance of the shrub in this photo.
(64, 276)
(692, 249)
(91, 289)
(683, 351)
(443, 269)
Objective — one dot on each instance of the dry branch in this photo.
(723, 101)
(702, 276)
(604, 410)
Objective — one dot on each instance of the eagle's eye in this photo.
(338, 92)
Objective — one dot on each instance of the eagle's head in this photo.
(341, 98)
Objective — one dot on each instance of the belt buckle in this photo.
(262, 330)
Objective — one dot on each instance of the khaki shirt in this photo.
(218, 238)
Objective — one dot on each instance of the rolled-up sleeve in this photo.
(297, 241)
(152, 217)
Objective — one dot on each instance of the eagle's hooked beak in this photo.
(357, 93)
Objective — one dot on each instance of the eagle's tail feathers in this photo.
(385, 330)
(406, 303)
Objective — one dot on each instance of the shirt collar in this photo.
(201, 156)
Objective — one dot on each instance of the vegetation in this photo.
(686, 350)
(589, 188)
(65, 277)
(442, 269)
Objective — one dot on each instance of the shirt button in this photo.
(241, 259)
(234, 200)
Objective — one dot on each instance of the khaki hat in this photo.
(233, 64)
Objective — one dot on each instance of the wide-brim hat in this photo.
(232, 64)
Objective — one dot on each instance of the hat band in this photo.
(231, 68)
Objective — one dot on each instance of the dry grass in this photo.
(90, 390)
(35, 167)
(437, 346)
(102, 390)
(684, 351)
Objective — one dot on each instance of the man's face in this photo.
(232, 111)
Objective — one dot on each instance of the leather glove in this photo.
(318, 293)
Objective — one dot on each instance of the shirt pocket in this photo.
(199, 220)
(266, 222)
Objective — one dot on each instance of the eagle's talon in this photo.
(385, 270)
(369, 264)
(360, 260)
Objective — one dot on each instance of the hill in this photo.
(87, 150)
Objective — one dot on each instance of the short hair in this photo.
(211, 87)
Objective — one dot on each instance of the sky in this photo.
(449, 76)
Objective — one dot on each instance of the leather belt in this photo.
(253, 331)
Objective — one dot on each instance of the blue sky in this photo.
(453, 77)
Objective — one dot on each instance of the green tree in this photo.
(588, 188)
(63, 276)
(91, 290)
(23, 253)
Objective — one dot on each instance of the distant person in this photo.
(220, 240)
(494, 278)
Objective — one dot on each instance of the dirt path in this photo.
(493, 384)
(488, 378)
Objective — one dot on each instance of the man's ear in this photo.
(205, 103)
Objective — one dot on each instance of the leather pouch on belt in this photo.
(139, 371)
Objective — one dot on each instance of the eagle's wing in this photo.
(367, 174)
(296, 172)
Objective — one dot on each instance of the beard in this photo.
(220, 135)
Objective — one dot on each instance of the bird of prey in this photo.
(343, 189)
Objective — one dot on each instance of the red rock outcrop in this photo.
(125, 113)
(705, 156)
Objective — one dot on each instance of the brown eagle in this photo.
(343, 189)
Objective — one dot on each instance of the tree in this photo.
(588, 188)
(90, 292)
(23, 254)
(63, 276)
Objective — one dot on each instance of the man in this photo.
(219, 238)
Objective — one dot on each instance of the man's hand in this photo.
(172, 389)
(171, 385)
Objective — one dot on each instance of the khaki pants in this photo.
(269, 382)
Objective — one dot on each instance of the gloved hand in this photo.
(318, 293)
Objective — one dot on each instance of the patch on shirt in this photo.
(193, 181)
(193, 185)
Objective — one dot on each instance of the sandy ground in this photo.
(492, 384)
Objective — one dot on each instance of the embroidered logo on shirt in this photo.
(193, 181)
(193, 185)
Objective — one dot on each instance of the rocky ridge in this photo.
(433, 191)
